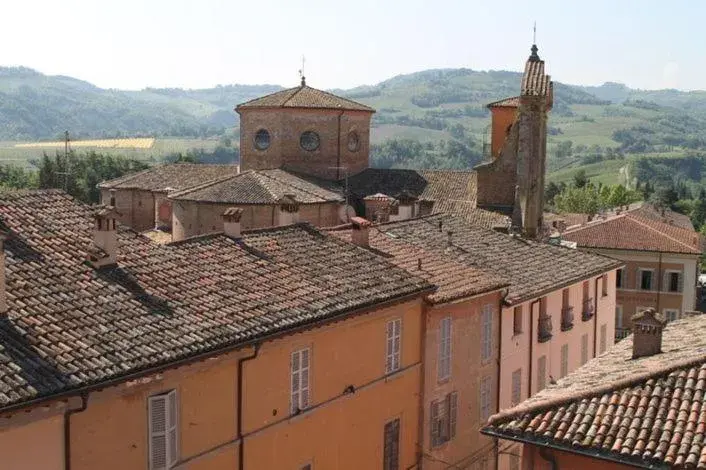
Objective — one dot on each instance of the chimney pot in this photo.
(231, 222)
(361, 231)
(104, 250)
(647, 333)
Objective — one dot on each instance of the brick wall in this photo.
(496, 180)
(286, 126)
(135, 207)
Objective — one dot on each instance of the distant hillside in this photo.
(428, 118)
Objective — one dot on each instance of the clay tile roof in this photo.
(304, 97)
(70, 326)
(647, 412)
(173, 176)
(522, 263)
(454, 280)
(262, 187)
(468, 211)
(425, 185)
(513, 102)
(534, 81)
(632, 231)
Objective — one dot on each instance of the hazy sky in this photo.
(194, 44)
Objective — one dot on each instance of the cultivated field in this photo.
(139, 143)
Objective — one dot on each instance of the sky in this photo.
(133, 44)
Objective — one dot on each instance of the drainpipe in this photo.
(241, 404)
(67, 429)
(531, 345)
(549, 457)
(659, 281)
(338, 150)
(595, 317)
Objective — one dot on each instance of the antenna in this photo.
(67, 169)
(301, 72)
(534, 33)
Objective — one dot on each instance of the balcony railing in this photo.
(587, 312)
(621, 333)
(545, 328)
(567, 318)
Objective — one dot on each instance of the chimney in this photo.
(3, 280)
(378, 207)
(288, 210)
(647, 333)
(361, 231)
(112, 197)
(104, 250)
(231, 222)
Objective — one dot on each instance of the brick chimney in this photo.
(104, 249)
(231, 222)
(378, 207)
(3, 280)
(647, 333)
(361, 231)
(288, 210)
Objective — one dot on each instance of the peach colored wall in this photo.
(467, 369)
(515, 349)
(566, 460)
(34, 445)
(502, 118)
(285, 127)
(339, 430)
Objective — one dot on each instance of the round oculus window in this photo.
(262, 139)
(309, 140)
(353, 141)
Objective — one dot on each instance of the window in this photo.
(618, 317)
(391, 450)
(485, 399)
(309, 140)
(671, 314)
(672, 282)
(443, 419)
(564, 361)
(644, 277)
(163, 422)
(517, 320)
(300, 380)
(262, 139)
(584, 348)
(516, 387)
(514, 462)
(444, 365)
(353, 141)
(394, 335)
(620, 278)
(486, 343)
(604, 334)
(541, 373)
(604, 285)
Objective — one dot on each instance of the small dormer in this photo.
(288, 213)
(103, 251)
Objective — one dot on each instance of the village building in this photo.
(117, 352)
(640, 405)
(549, 323)
(661, 251)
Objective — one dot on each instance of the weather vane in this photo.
(301, 72)
(534, 33)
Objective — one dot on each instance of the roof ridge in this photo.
(128, 177)
(297, 90)
(597, 391)
(264, 96)
(258, 175)
(204, 185)
(641, 221)
(298, 188)
(339, 97)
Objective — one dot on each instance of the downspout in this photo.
(659, 281)
(427, 309)
(67, 429)
(549, 457)
(241, 404)
(531, 346)
(338, 151)
(503, 295)
(595, 317)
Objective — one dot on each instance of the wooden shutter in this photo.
(172, 428)
(157, 413)
(394, 338)
(434, 423)
(487, 332)
(391, 450)
(453, 409)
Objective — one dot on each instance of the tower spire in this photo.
(534, 57)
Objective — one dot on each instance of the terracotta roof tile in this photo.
(649, 411)
(632, 231)
(176, 176)
(262, 187)
(453, 280)
(522, 262)
(513, 102)
(534, 81)
(304, 97)
(468, 211)
(70, 326)
(425, 185)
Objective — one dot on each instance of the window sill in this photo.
(515, 334)
(444, 380)
(393, 375)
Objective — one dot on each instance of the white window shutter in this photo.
(158, 424)
(172, 428)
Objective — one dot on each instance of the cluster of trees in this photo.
(584, 197)
(408, 153)
(566, 149)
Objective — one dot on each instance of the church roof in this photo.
(425, 185)
(304, 97)
(513, 102)
(173, 176)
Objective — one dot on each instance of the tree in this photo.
(584, 200)
(580, 179)
(563, 149)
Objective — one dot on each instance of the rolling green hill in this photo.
(433, 117)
